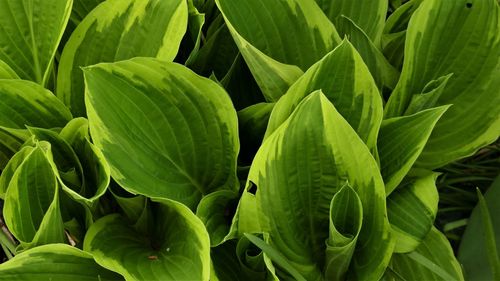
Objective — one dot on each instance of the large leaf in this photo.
(26, 103)
(34, 184)
(6, 72)
(117, 30)
(55, 262)
(401, 140)
(412, 209)
(346, 82)
(30, 31)
(479, 250)
(466, 44)
(165, 131)
(272, 54)
(177, 246)
(298, 170)
(432, 260)
(369, 15)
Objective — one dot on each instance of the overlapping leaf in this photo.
(165, 131)
(298, 170)
(30, 31)
(118, 30)
(472, 54)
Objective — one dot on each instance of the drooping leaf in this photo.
(298, 170)
(55, 262)
(275, 58)
(346, 218)
(184, 142)
(34, 184)
(346, 82)
(411, 209)
(369, 15)
(26, 103)
(466, 44)
(176, 248)
(480, 245)
(401, 140)
(118, 30)
(432, 260)
(30, 31)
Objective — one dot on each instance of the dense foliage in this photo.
(249, 139)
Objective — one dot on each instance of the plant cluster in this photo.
(248, 139)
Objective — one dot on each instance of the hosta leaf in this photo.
(26, 103)
(11, 167)
(34, 184)
(384, 74)
(466, 44)
(9, 145)
(184, 142)
(346, 218)
(274, 57)
(432, 260)
(55, 262)
(412, 209)
(369, 15)
(401, 140)
(480, 246)
(346, 82)
(429, 96)
(6, 72)
(296, 173)
(117, 30)
(216, 212)
(177, 247)
(30, 31)
(81, 8)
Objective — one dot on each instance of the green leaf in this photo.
(11, 167)
(432, 260)
(480, 246)
(412, 209)
(30, 33)
(34, 184)
(176, 248)
(346, 81)
(429, 96)
(81, 8)
(252, 124)
(346, 218)
(118, 30)
(466, 44)
(185, 139)
(6, 72)
(9, 145)
(26, 103)
(401, 140)
(296, 173)
(274, 57)
(369, 15)
(216, 212)
(384, 74)
(55, 262)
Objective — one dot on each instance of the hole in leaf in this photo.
(252, 188)
(468, 5)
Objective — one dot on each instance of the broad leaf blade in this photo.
(401, 140)
(412, 209)
(296, 173)
(30, 33)
(185, 139)
(118, 30)
(177, 248)
(55, 262)
(466, 44)
(274, 57)
(432, 260)
(346, 82)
